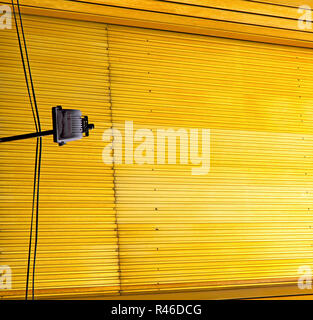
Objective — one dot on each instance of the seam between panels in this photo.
(113, 165)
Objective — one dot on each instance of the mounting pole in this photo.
(27, 136)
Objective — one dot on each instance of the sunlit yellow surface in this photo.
(127, 229)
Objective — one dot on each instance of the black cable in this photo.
(37, 214)
(31, 223)
(38, 147)
(36, 159)
(24, 66)
(29, 70)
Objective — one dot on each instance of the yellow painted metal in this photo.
(213, 11)
(272, 22)
(77, 246)
(156, 228)
(272, 8)
(249, 220)
(288, 3)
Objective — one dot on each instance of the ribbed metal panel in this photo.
(248, 221)
(77, 248)
(262, 21)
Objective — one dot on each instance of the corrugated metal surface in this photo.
(249, 220)
(236, 11)
(286, 3)
(236, 18)
(77, 249)
(263, 21)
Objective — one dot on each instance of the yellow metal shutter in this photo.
(249, 220)
(77, 246)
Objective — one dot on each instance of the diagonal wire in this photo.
(24, 66)
(32, 220)
(38, 149)
(37, 214)
(28, 65)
